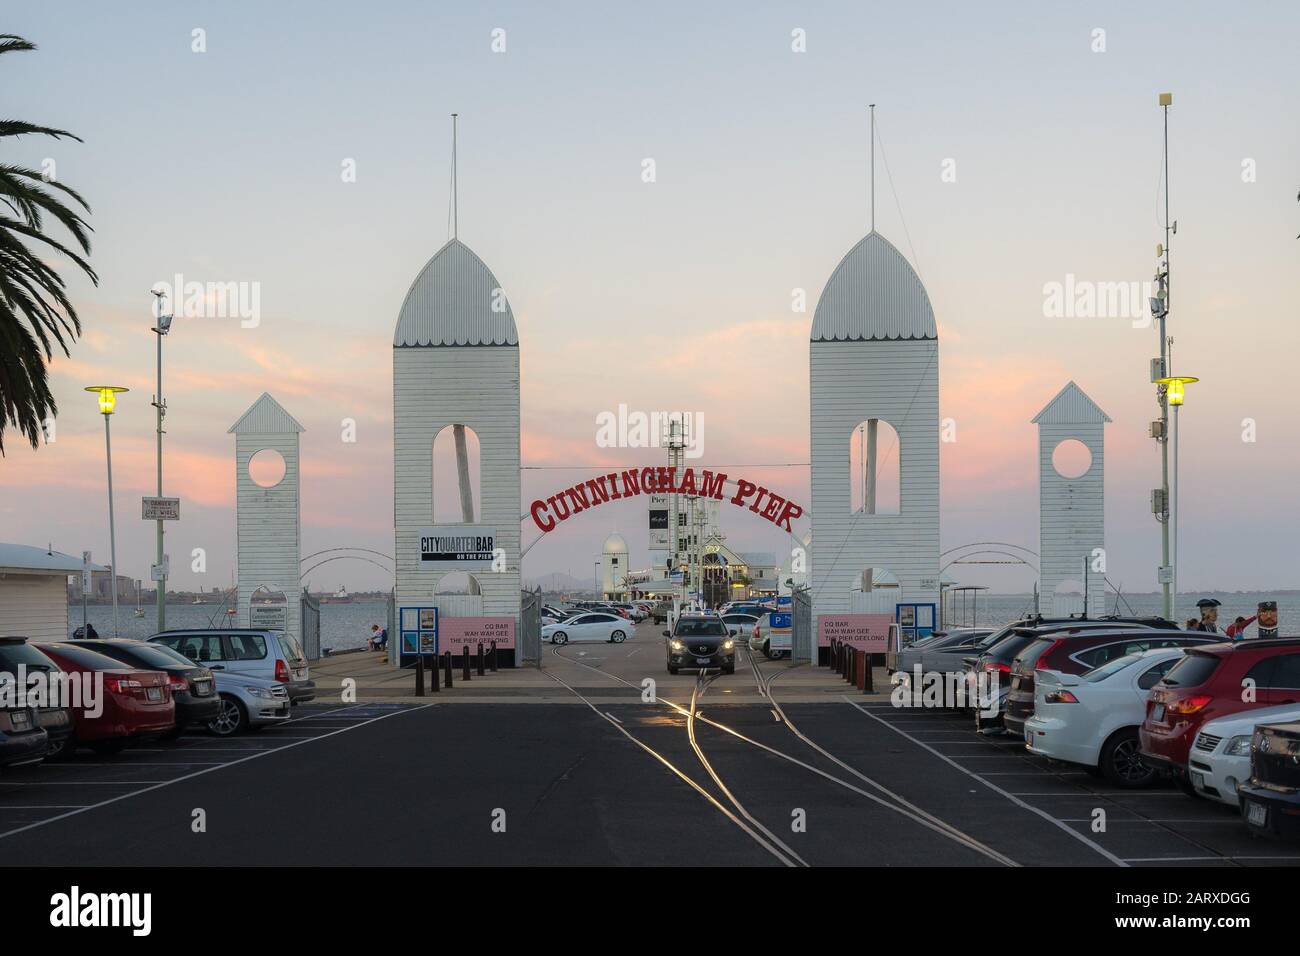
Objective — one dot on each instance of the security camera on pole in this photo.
(159, 571)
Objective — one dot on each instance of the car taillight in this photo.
(1188, 705)
(1060, 697)
(122, 685)
(995, 668)
(1042, 658)
(177, 684)
(282, 671)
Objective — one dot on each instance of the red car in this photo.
(133, 703)
(1212, 681)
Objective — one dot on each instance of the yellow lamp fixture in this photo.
(1174, 387)
(107, 396)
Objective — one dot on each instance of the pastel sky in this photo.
(226, 166)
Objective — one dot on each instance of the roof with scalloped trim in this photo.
(874, 295)
(451, 303)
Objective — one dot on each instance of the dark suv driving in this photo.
(701, 640)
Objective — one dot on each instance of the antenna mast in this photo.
(455, 185)
(873, 166)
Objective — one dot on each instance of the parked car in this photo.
(248, 703)
(956, 639)
(659, 611)
(1092, 718)
(22, 740)
(1074, 651)
(56, 721)
(1219, 761)
(742, 624)
(136, 702)
(1270, 802)
(1212, 681)
(637, 614)
(192, 686)
(266, 655)
(701, 640)
(592, 626)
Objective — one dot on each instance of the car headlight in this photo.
(261, 692)
(676, 645)
(728, 645)
(1238, 746)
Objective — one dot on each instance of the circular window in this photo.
(1071, 458)
(266, 468)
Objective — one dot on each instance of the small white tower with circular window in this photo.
(1071, 502)
(613, 566)
(267, 517)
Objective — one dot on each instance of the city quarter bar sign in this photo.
(550, 511)
(457, 547)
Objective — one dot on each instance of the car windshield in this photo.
(1192, 671)
(146, 655)
(990, 639)
(1110, 667)
(84, 657)
(1026, 659)
(701, 627)
(11, 655)
(290, 647)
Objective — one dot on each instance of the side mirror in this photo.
(732, 633)
(666, 634)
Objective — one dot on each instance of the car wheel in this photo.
(673, 668)
(618, 637)
(1121, 760)
(729, 669)
(231, 719)
(108, 748)
(559, 637)
(767, 650)
(63, 750)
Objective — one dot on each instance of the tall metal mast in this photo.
(1163, 302)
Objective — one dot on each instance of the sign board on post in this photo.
(268, 617)
(459, 632)
(457, 547)
(658, 512)
(160, 509)
(86, 586)
(863, 632)
(419, 631)
(160, 572)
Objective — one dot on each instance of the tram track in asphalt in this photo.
(891, 801)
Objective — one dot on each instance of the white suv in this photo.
(247, 652)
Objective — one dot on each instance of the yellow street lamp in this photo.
(1174, 389)
(107, 402)
(107, 396)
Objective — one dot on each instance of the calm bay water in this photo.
(348, 625)
(341, 625)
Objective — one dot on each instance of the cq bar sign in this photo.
(457, 546)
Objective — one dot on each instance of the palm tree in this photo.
(33, 305)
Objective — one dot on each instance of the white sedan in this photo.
(741, 624)
(596, 626)
(1220, 755)
(1093, 718)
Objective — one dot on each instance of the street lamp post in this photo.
(161, 328)
(107, 402)
(1174, 390)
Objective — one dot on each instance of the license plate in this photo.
(18, 719)
(1158, 712)
(1256, 814)
(202, 688)
(1029, 737)
(703, 660)
(1198, 780)
(154, 693)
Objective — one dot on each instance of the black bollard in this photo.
(446, 668)
(433, 670)
(492, 656)
(464, 660)
(867, 686)
(478, 659)
(419, 675)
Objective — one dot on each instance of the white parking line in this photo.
(76, 783)
(1190, 859)
(1014, 798)
(48, 806)
(198, 773)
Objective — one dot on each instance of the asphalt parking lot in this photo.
(716, 770)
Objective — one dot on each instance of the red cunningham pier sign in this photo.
(863, 632)
(549, 512)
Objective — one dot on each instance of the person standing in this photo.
(1237, 629)
(1209, 608)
